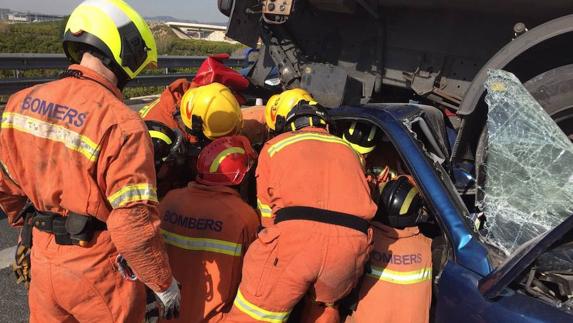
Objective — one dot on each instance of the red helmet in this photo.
(225, 161)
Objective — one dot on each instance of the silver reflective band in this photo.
(258, 313)
(117, 15)
(278, 146)
(401, 278)
(133, 193)
(202, 244)
(53, 132)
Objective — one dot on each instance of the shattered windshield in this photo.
(528, 186)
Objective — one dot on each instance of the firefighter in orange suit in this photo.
(212, 70)
(275, 112)
(258, 126)
(248, 121)
(399, 270)
(314, 185)
(208, 228)
(166, 106)
(205, 113)
(400, 266)
(202, 114)
(259, 121)
(85, 162)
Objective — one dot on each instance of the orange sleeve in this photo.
(262, 175)
(159, 111)
(12, 199)
(162, 109)
(130, 188)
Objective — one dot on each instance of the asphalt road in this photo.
(13, 297)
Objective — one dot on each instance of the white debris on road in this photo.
(7, 257)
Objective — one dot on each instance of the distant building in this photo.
(4, 13)
(186, 30)
(16, 16)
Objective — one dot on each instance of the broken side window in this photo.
(528, 186)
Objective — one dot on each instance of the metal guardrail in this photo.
(9, 86)
(23, 62)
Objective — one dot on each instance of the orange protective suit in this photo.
(72, 146)
(311, 168)
(308, 168)
(167, 105)
(313, 312)
(398, 285)
(164, 110)
(207, 230)
(211, 70)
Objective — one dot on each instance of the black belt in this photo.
(324, 216)
(74, 229)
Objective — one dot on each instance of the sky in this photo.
(200, 10)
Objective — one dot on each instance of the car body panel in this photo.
(459, 300)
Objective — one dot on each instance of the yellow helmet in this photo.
(279, 105)
(115, 30)
(217, 107)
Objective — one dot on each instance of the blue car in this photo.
(471, 283)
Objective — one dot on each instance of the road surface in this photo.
(13, 299)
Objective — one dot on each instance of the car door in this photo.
(464, 296)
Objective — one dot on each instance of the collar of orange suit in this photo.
(91, 74)
(214, 188)
(395, 233)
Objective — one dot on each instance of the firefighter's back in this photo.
(312, 168)
(207, 230)
(55, 139)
